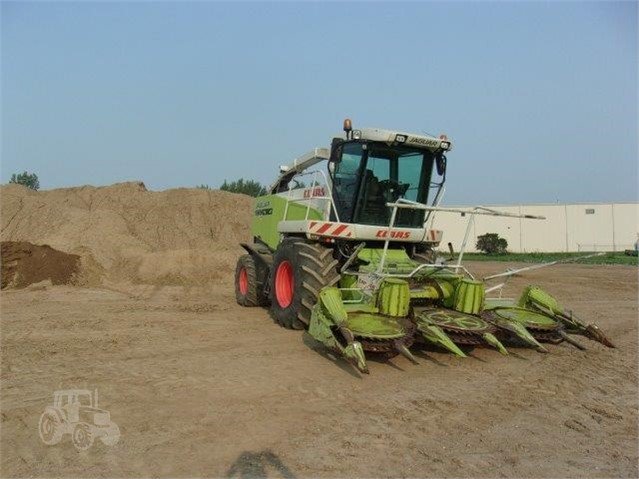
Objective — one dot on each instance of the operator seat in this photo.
(374, 209)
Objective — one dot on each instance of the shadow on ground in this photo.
(255, 465)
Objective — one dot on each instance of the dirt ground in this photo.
(202, 387)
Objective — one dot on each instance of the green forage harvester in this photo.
(352, 257)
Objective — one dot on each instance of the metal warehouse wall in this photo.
(567, 227)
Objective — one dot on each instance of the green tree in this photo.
(491, 243)
(30, 180)
(246, 187)
(203, 187)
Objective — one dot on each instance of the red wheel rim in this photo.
(284, 284)
(243, 281)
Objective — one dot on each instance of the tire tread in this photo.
(317, 268)
(253, 296)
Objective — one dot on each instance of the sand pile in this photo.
(126, 233)
(25, 263)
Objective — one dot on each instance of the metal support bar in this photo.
(471, 222)
(477, 210)
(352, 257)
(415, 271)
(387, 242)
(430, 216)
(512, 272)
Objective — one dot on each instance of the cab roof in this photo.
(399, 137)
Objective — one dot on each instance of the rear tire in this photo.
(50, 428)
(247, 290)
(300, 271)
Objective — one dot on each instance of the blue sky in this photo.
(539, 98)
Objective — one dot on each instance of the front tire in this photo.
(300, 271)
(113, 435)
(82, 437)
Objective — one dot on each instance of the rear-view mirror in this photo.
(440, 163)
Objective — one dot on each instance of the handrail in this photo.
(403, 203)
(430, 216)
(477, 210)
(331, 201)
(415, 271)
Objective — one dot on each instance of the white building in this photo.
(567, 227)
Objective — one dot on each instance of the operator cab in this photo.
(370, 168)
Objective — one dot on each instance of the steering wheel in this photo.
(395, 188)
(389, 184)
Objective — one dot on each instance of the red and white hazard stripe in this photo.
(324, 228)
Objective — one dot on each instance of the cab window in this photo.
(345, 179)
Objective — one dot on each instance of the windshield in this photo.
(371, 175)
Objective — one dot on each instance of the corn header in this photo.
(344, 247)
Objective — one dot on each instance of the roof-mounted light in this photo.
(400, 138)
(444, 145)
(357, 134)
(348, 128)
